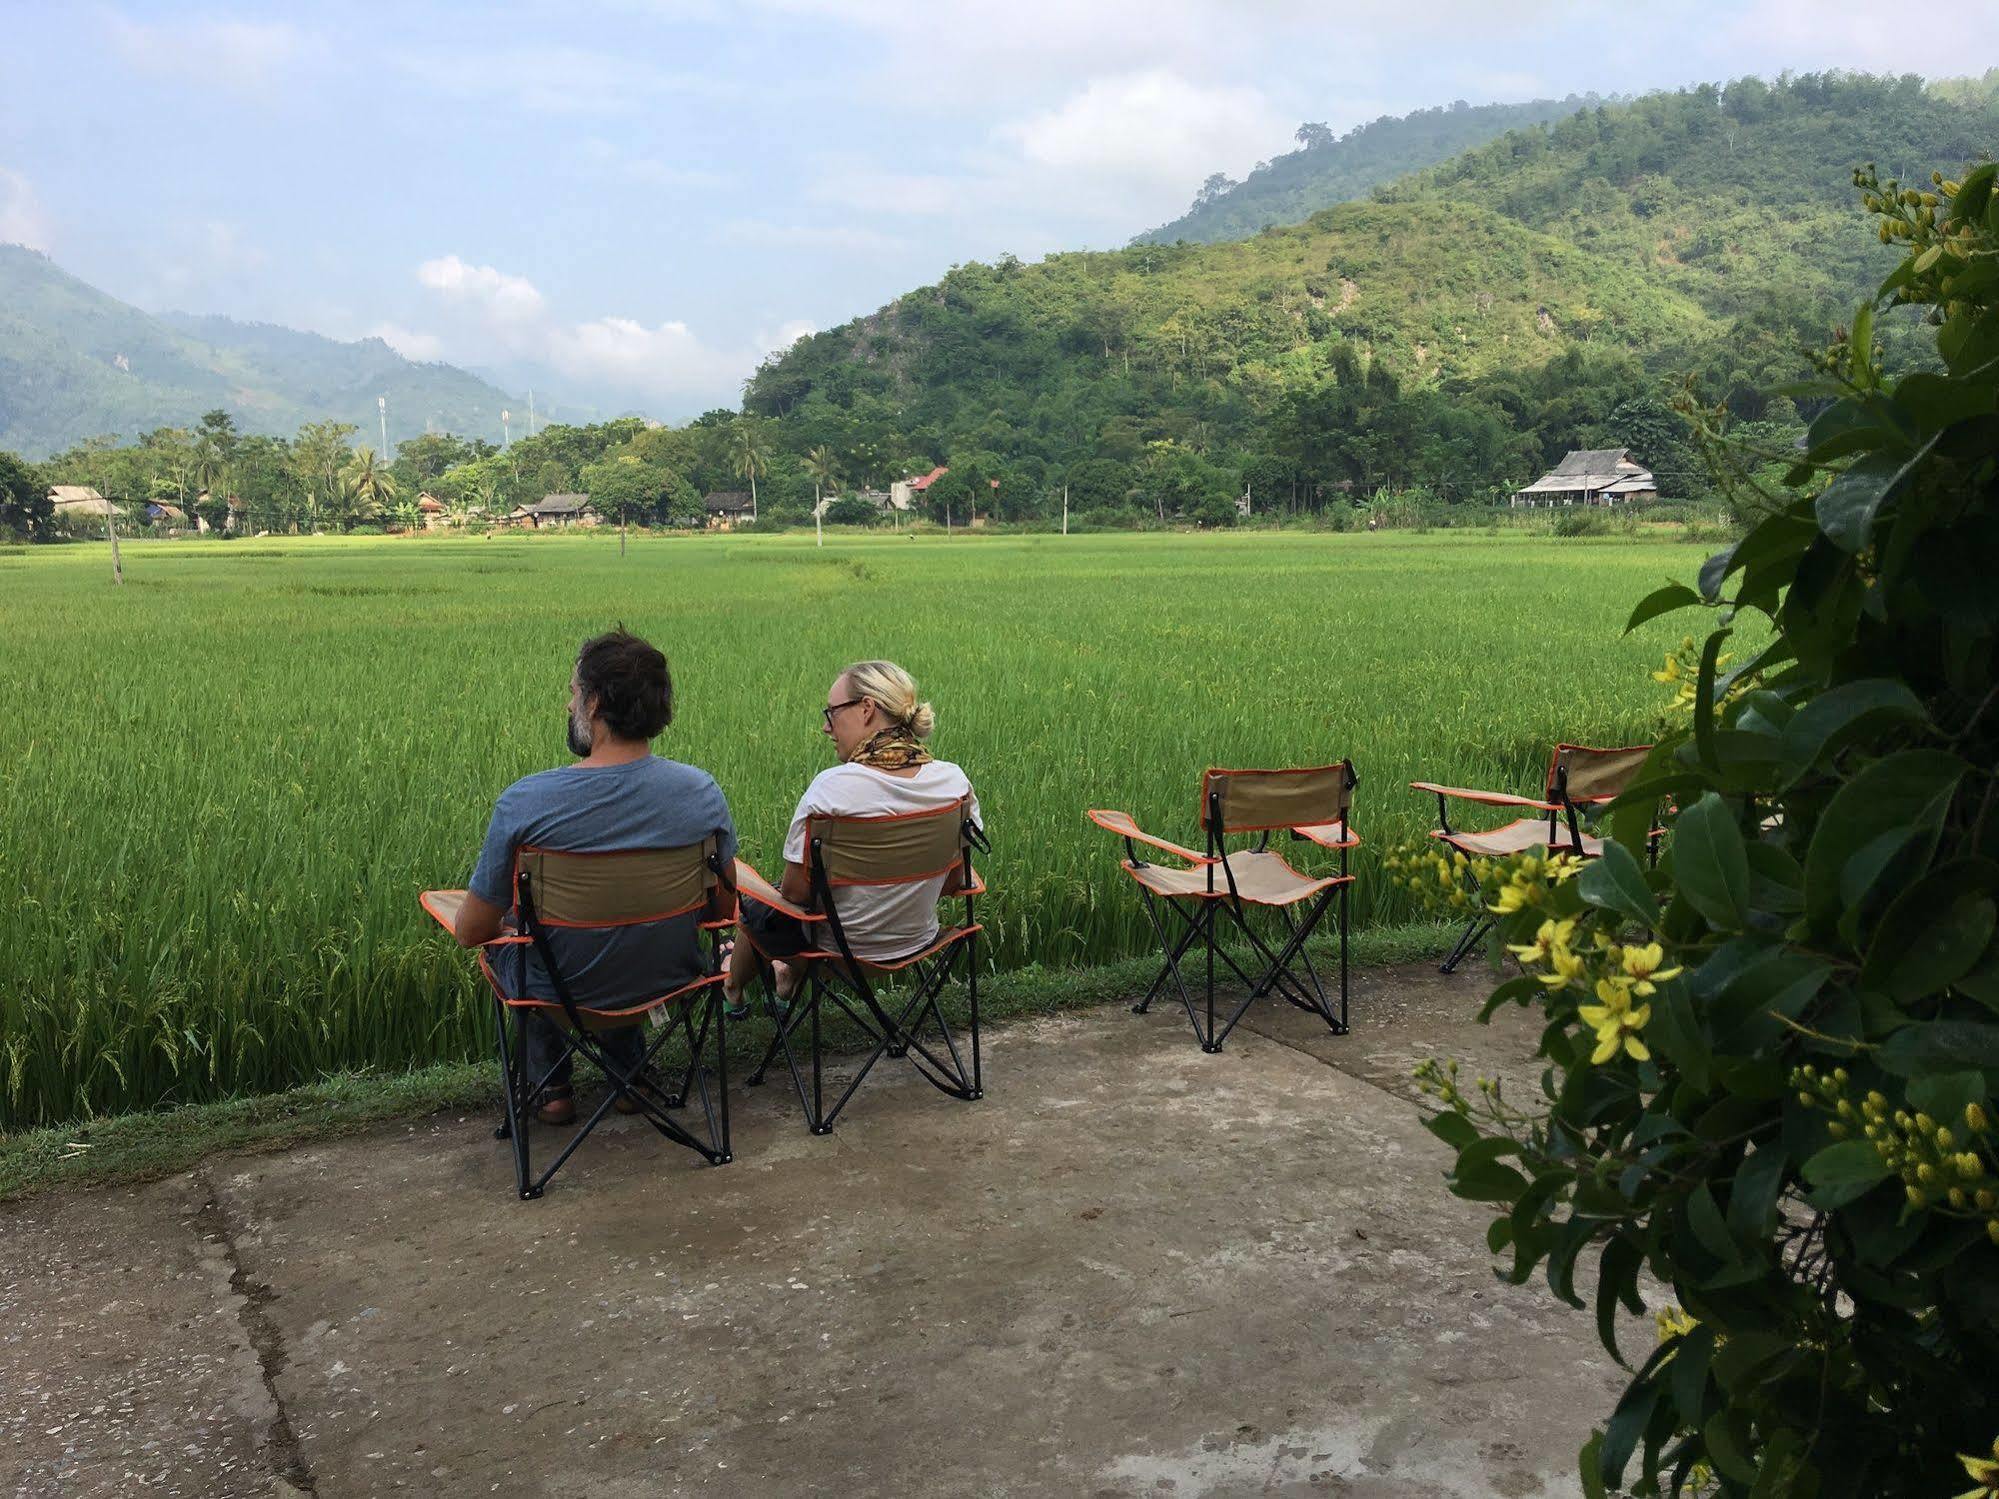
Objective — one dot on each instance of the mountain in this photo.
(1468, 322)
(1326, 169)
(76, 363)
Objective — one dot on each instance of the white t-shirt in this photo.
(881, 921)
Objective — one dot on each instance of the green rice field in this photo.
(223, 785)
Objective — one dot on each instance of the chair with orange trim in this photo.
(1313, 805)
(844, 853)
(556, 890)
(1580, 777)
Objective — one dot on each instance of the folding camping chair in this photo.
(558, 890)
(1313, 806)
(851, 852)
(1579, 776)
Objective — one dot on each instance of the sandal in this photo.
(558, 1109)
(735, 1006)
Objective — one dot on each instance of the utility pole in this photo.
(530, 411)
(111, 534)
(382, 410)
(506, 432)
(1065, 510)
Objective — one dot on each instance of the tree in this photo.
(25, 507)
(825, 471)
(368, 484)
(851, 510)
(1773, 1056)
(1311, 134)
(751, 452)
(319, 453)
(623, 490)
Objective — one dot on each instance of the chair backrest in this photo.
(1585, 775)
(1258, 801)
(628, 888)
(896, 849)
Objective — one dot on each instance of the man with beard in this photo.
(617, 797)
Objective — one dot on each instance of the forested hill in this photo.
(1328, 169)
(77, 363)
(1466, 325)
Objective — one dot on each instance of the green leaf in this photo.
(1709, 863)
(1627, 1424)
(1940, 1046)
(1847, 508)
(1704, 1217)
(1895, 803)
(1677, 1035)
(1842, 1172)
(1687, 1374)
(1452, 1128)
(1614, 882)
(1590, 1462)
(1836, 716)
(1617, 1280)
(1704, 724)
(1661, 601)
(1752, 1200)
(1934, 932)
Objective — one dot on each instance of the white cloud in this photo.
(22, 219)
(423, 348)
(490, 313)
(1151, 126)
(491, 293)
(242, 56)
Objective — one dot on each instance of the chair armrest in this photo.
(1489, 798)
(1327, 835)
(977, 887)
(442, 907)
(1123, 824)
(754, 885)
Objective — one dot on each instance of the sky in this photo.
(630, 203)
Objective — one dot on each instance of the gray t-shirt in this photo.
(645, 803)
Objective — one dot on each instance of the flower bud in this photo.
(1974, 1117)
(1945, 1139)
(1986, 1199)
(1992, 1229)
(1917, 1200)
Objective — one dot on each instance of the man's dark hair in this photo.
(628, 681)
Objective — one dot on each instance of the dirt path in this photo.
(1132, 1269)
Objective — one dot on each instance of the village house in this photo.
(557, 510)
(80, 499)
(903, 494)
(727, 507)
(1591, 476)
(436, 515)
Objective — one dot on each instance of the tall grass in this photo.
(224, 784)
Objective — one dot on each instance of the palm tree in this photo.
(752, 456)
(369, 482)
(825, 471)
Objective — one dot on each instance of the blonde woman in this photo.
(878, 727)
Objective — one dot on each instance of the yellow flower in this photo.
(1642, 965)
(1511, 898)
(1984, 1471)
(1616, 1023)
(1675, 1323)
(1563, 867)
(1564, 968)
(1552, 937)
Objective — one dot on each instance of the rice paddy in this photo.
(224, 784)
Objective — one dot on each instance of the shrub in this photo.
(1772, 1058)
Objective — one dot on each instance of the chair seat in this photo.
(594, 1019)
(1516, 838)
(1263, 879)
(945, 938)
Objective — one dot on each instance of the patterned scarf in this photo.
(893, 748)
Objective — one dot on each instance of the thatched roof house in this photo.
(1591, 476)
(725, 507)
(80, 499)
(557, 510)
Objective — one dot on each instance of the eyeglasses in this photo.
(830, 709)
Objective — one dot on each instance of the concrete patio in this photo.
(1132, 1269)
